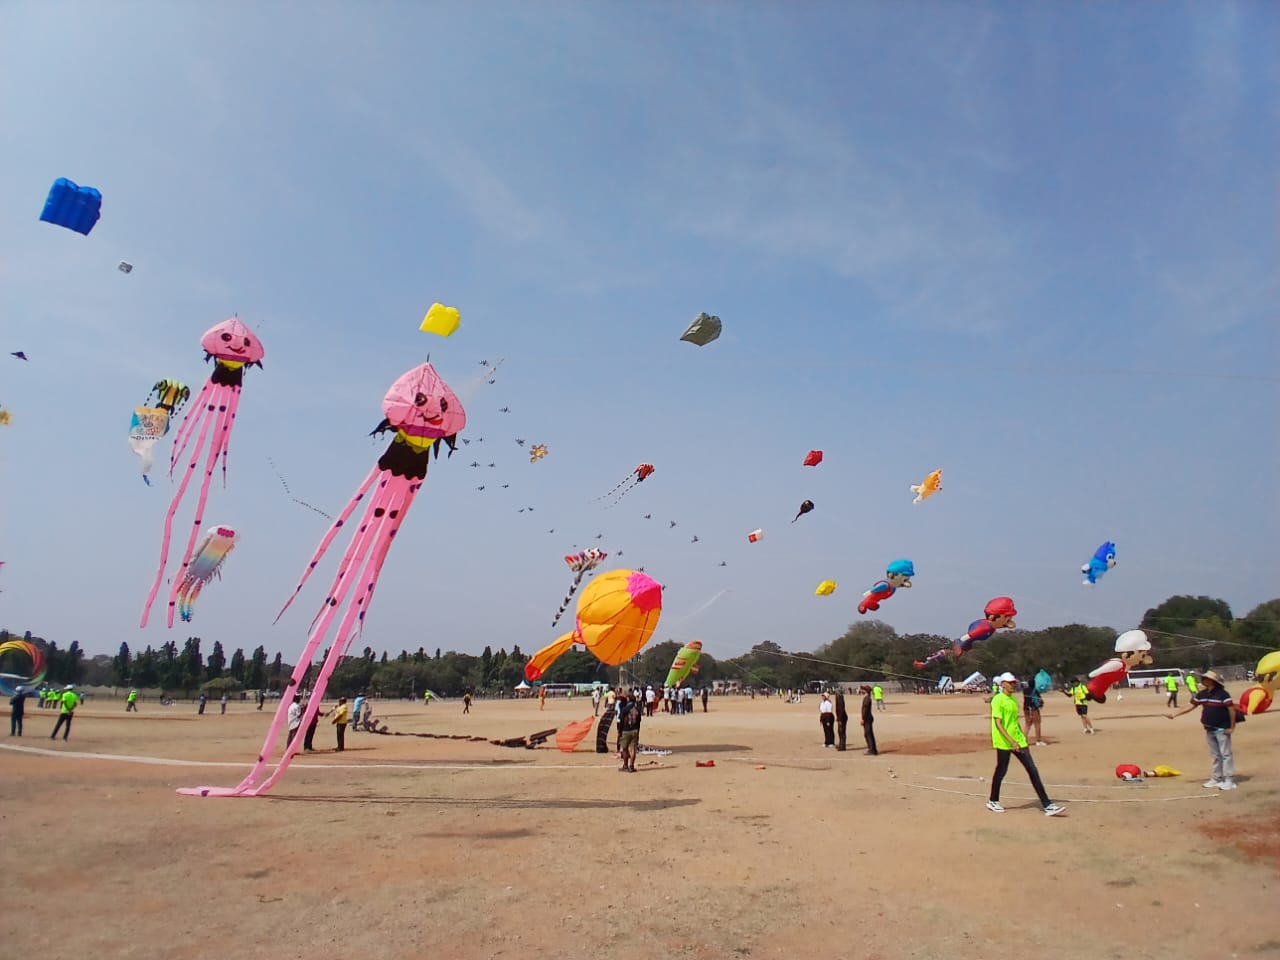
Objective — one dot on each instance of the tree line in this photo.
(1185, 631)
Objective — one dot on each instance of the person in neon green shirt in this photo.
(1079, 694)
(1171, 684)
(1192, 686)
(877, 694)
(131, 705)
(1009, 741)
(69, 702)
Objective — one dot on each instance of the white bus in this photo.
(1150, 677)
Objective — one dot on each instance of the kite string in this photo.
(285, 484)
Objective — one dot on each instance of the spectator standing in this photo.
(224, 703)
(1171, 685)
(203, 701)
(1032, 703)
(1218, 717)
(339, 721)
(827, 717)
(877, 694)
(466, 702)
(595, 701)
(869, 721)
(705, 693)
(131, 704)
(295, 719)
(842, 717)
(629, 713)
(17, 710)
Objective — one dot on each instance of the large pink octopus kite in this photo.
(232, 346)
(421, 409)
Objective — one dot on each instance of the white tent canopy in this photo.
(522, 685)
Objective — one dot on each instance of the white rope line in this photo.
(425, 765)
(962, 793)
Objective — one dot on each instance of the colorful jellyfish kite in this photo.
(72, 206)
(999, 614)
(9, 682)
(1133, 649)
(233, 348)
(151, 422)
(685, 663)
(638, 475)
(897, 577)
(805, 507)
(205, 564)
(617, 614)
(441, 320)
(927, 487)
(813, 458)
(825, 589)
(420, 409)
(1104, 558)
(581, 564)
(537, 452)
(703, 330)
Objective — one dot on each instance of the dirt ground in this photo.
(403, 847)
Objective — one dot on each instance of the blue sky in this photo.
(1035, 246)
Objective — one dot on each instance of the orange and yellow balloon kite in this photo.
(617, 615)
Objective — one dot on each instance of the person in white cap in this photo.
(1009, 740)
(1218, 717)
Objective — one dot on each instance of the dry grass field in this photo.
(403, 847)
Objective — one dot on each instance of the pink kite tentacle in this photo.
(364, 600)
(219, 436)
(328, 537)
(233, 404)
(375, 517)
(359, 546)
(168, 521)
(184, 434)
(380, 536)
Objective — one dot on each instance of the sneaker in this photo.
(1041, 743)
(994, 807)
(1227, 785)
(1212, 784)
(1053, 809)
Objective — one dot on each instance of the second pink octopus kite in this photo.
(421, 409)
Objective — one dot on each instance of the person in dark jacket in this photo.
(868, 722)
(17, 710)
(842, 719)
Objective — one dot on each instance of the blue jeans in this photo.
(1224, 764)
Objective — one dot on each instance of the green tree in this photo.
(216, 663)
(121, 666)
(255, 674)
(1178, 613)
(236, 669)
(1259, 629)
(192, 664)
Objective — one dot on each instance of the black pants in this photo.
(293, 732)
(1024, 758)
(342, 735)
(58, 726)
(1173, 699)
(15, 724)
(842, 726)
(131, 707)
(310, 734)
(828, 721)
(869, 734)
